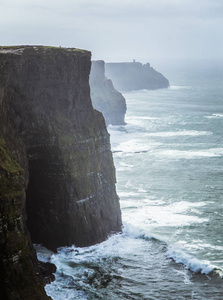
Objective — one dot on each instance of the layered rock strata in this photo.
(19, 273)
(105, 98)
(135, 76)
(55, 154)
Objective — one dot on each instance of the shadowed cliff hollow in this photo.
(104, 96)
(55, 153)
(135, 76)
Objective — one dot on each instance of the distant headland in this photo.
(129, 76)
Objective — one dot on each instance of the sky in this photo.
(118, 30)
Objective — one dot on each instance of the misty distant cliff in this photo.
(56, 166)
(135, 76)
(105, 98)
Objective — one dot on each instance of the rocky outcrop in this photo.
(55, 154)
(47, 271)
(105, 98)
(135, 76)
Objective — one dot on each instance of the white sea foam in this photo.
(128, 194)
(180, 133)
(143, 118)
(43, 254)
(154, 215)
(132, 231)
(135, 92)
(180, 87)
(142, 190)
(177, 254)
(214, 116)
(132, 146)
(63, 288)
(196, 245)
(138, 123)
(176, 154)
(191, 263)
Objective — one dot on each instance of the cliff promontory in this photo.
(56, 168)
(135, 76)
(105, 97)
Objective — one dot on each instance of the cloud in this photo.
(112, 29)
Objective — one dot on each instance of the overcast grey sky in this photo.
(118, 30)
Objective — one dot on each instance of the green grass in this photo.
(6, 161)
(40, 47)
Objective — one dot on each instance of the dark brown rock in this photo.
(19, 274)
(47, 271)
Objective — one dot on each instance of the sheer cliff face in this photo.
(104, 96)
(50, 130)
(19, 275)
(135, 76)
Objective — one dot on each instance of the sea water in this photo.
(169, 165)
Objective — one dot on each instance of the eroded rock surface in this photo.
(55, 154)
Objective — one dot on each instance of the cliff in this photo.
(19, 275)
(104, 96)
(135, 76)
(56, 165)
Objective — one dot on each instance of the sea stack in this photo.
(105, 98)
(56, 166)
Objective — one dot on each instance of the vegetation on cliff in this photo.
(19, 277)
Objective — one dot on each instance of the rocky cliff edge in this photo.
(105, 98)
(56, 166)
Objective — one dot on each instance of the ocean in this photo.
(169, 167)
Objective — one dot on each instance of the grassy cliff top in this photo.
(21, 48)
